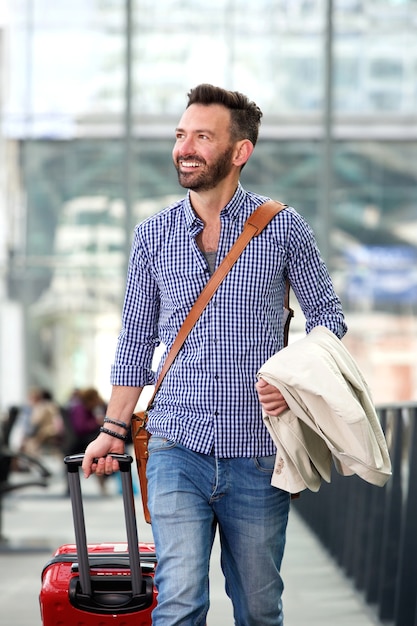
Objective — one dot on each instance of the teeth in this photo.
(189, 164)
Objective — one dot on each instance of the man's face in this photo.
(203, 149)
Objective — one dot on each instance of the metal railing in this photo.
(371, 532)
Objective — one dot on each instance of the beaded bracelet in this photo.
(109, 420)
(112, 433)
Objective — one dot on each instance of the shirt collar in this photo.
(232, 208)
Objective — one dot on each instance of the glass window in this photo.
(386, 69)
(64, 128)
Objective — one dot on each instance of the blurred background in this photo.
(91, 91)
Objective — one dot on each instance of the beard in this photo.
(209, 177)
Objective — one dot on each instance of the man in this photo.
(211, 457)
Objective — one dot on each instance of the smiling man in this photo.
(211, 457)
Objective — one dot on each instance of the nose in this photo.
(184, 146)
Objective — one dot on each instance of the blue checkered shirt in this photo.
(208, 400)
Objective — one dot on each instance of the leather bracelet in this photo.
(109, 420)
(112, 433)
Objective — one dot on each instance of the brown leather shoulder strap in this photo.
(254, 225)
(264, 214)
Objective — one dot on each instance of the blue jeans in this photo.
(190, 494)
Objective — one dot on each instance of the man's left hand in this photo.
(270, 397)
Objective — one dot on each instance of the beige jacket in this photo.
(331, 416)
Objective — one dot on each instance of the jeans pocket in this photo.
(265, 463)
(155, 444)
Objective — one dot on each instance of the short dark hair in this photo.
(245, 114)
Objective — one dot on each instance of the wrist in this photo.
(113, 433)
(115, 422)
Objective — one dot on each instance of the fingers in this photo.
(268, 393)
(88, 467)
(275, 409)
(100, 466)
(97, 456)
(271, 399)
(106, 466)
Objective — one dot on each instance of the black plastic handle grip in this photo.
(74, 461)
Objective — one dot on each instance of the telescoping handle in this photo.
(73, 464)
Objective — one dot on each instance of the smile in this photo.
(189, 164)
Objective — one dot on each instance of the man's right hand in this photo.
(121, 405)
(97, 456)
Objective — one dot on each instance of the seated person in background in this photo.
(39, 424)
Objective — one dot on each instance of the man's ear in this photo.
(243, 150)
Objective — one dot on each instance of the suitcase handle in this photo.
(74, 461)
(73, 464)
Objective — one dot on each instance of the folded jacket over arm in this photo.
(331, 415)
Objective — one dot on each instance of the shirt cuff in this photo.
(131, 376)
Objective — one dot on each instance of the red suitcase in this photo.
(99, 584)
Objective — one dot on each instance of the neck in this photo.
(209, 204)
